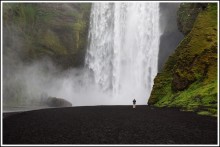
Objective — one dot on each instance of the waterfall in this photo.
(123, 47)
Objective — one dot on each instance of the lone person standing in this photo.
(134, 102)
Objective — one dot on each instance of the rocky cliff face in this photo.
(189, 79)
(187, 15)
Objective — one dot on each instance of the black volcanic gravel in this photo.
(109, 125)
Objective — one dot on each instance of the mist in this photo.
(29, 82)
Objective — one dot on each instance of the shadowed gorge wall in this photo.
(170, 35)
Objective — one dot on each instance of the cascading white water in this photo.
(122, 54)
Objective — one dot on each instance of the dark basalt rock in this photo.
(57, 102)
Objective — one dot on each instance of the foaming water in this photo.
(122, 54)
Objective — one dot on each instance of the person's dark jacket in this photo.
(134, 101)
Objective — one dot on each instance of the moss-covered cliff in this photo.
(189, 78)
(37, 30)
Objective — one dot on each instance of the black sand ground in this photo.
(109, 125)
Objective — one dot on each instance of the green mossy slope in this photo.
(189, 78)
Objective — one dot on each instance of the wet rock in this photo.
(57, 102)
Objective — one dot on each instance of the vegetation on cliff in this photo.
(187, 15)
(189, 78)
(33, 31)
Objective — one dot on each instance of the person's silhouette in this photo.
(134, 102)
